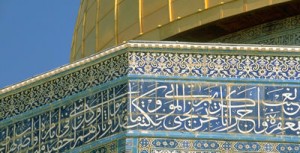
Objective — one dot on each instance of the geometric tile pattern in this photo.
(166, 145)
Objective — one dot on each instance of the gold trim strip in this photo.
(141, 16)
(170, 10)
(116, 22)
(206, 4)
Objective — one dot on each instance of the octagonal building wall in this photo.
(159, 96)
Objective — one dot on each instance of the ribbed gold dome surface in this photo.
(105, 23)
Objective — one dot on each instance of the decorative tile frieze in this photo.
(214, 107)
(193, 62)
(215, 65)
(64, 86)
(163, 145)
(77, 123)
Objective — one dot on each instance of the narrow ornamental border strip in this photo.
(178, 135)
(192, 79)
(213, 136)
(154, 44)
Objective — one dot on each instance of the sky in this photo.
(35, 37)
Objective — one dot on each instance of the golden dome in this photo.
(105, 23)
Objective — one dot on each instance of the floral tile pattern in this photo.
(215, 65)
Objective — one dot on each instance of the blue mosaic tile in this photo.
(164, 143)
(67, 127)
(205, 145)
(288, 148)
(247, 146)
(242, 110)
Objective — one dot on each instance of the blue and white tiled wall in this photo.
(160, 100)
(263, 109)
